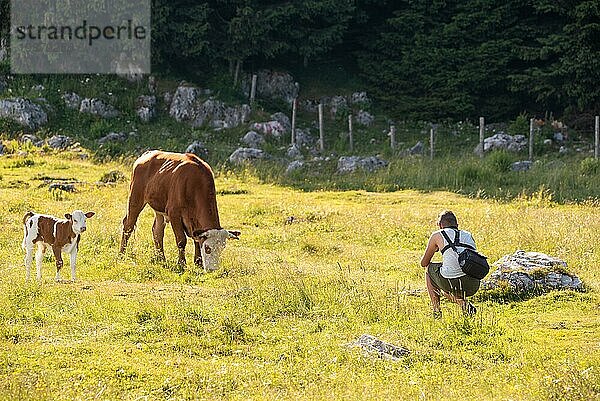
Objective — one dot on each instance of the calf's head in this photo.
(78, 219)
(212, 243)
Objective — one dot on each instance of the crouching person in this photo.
(447, 277)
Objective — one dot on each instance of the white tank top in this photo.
(450, 267)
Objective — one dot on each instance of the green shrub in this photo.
(589, 166)
(520, 126)
(499, 161)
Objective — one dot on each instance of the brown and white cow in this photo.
(58, 234)
(181, 190)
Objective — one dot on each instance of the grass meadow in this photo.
(275, 321)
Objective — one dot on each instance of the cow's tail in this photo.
(27, 216)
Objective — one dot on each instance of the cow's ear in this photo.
(200, 234)
(234, 234)
(68, 216)
(89, 214)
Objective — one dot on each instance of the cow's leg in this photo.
(136, 204)
(158, 232)
(197, 254)
(180, 239)
(72, 263)
(28, 260)
(59, 261)
(39, 255)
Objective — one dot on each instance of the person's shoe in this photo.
(437, 314)
(469, 309)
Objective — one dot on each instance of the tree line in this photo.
(426, 59)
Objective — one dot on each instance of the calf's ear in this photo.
(68, 216)
(234, 234)
(89, 214)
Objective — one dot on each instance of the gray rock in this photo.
(152, 84)
(364, 118)
(253, 139)
(293, 152)
(360, 98)
(24, 112)
(558, 137)
(3, 49)
(283, 119)
(243, 155)
(59, 142)
(146, 107)
(304, 139)
(521, 165)
(98, 107)
(385, 350)
(38, 88)
(337, 104)
(293, 166)
(270, 128)
(502, 141)
(113, 137)
(349, 164)
(3, 84)
(198, 149)
(418, 149)
(72, 100)
(547, 141)
(563, 150)
(182, 103)
(273, 84)
(30, 138)
(531, 271)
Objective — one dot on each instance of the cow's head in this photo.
(78, 219)
(212, 243)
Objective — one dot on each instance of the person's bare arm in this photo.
(432, 248)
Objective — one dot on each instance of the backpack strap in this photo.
(450, 243)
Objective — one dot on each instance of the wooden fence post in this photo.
(531, 122)
(321, 140)
(350, 133)
(597, 136)
(481, 135)
(431, 142)
(393, 137)
(253, 88)
(294, 107)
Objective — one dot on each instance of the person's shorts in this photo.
(461, 287)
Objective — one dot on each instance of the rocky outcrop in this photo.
(146, 108)
(350, 164)
(374, 346)
(365, 118)
(113, 137)
(98, 107)
(502, 141)
(270, 128)
(526, 272)
(253, 139)
(197, 148)
(60, 142)
(293, 166)
(72, 100)
(523, 165)
(273, 85)
(188, 106)
(24, 112)
(243, 155)
(30, 138)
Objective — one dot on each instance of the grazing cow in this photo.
(60, 235)
(180, 188)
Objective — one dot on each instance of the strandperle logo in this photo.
(80, 37)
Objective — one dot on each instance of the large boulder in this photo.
(24, 112)
(244, 155)
(525, 272)
(72, 100)
(502, 141)
(364, 118)
(274, 85)
(60, 142)
(98, 107)
(187, 105)
(270, 128)
(253, 139)
(350, 164)
(197, 148)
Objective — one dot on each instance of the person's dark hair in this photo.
(447, 219)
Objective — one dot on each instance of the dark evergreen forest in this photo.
(423, 59)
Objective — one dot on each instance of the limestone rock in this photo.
(242, 155)
(385, 350)
(360, 98)
(502, 141)
(283, 119)
(293, 166)
(253, 139)
(98, 107)
(59, 142)
(522, 165)
(364, 118)
(270, 128)
(274, 85)
(198, 149)
(531, 271)
(24, 112)
(72, 100)
(113, 137)
(349, 164)
(34, 140)
(146, 109)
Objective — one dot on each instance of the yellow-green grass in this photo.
(274, 322)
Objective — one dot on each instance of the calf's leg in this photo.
(72, 263)
(28, 260)
(59, 261)
(39, 254)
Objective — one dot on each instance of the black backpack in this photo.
(472, 263)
